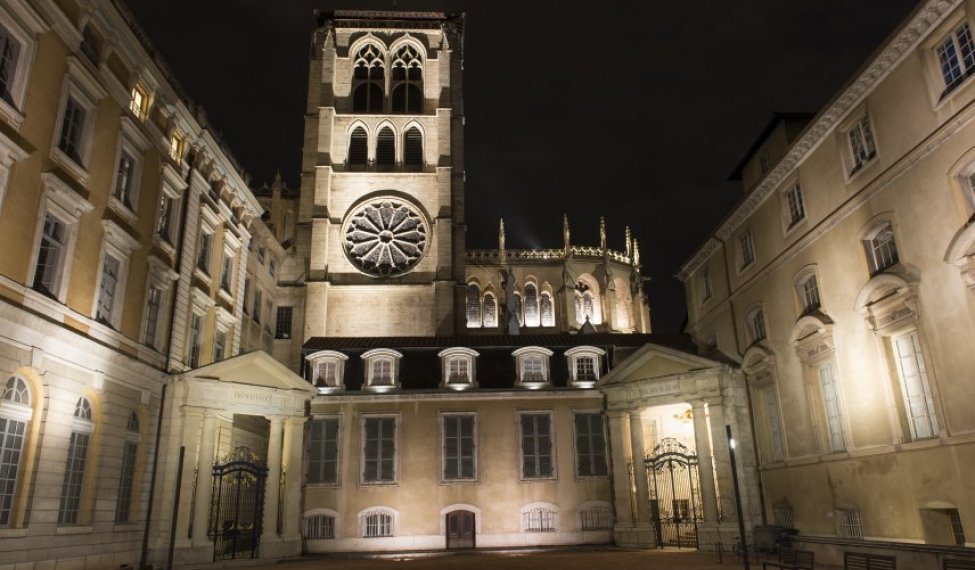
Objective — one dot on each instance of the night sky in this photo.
(636, 110)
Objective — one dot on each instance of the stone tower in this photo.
(381, 217)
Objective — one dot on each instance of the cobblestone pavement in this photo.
(559, 560)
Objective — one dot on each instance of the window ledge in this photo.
(13, 532)
(199, 274)
(857, 171)
(225, 295)
(11, 113)
(164, 245)
(74, 530)
(127, 214)
(532, 385)
(326, 390)
(69, 164)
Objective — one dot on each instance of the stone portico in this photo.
(660, 393)
(249, 401)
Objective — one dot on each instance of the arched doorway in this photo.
(460, 529)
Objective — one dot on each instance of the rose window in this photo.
(385, 237)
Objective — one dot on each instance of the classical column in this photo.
(192, 421)
(722, 460)
(294, 432)
(204, 479)
(273, 485)
(705, 465)
(625, 512)
(639, 469)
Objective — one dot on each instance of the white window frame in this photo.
(521, 356)
(231, 248)
(208, 226)
(573, 356)
(490, 320)
(24, 24)
(870, 249)
(172, 187)
(337, 418)
(461, 354)
(380, 511)
(20, 413)
(554, 475)
(200, 305)
(83, 426)
(805, 299)
(756, 325)
(746, 250)
(443, 444)
(160, 277)
(548, 511)
(859, 129)
(595, 511)
(470, 304)
(929, 414)
(331, 357)
(132, 142)
(66, 205)
(546, 322)
(943, 88)
(575, 444)
(836, 430)
(397, 444)
(147, 93)
(374, 356)
(315, 513)
(119, 245)
(849, 523)
(789, 211)
(82, 87)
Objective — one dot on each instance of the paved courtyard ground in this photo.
(615, 559)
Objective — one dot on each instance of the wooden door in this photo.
(460, 529)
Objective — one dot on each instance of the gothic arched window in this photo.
(15, 415)
(386, 149)
(368, 77)
(407, 87)
(490, 311)
(548, 313)
(473, 306)
(358, 148)
(413, 149)
(531, 305)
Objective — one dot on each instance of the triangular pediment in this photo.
(655, 361)
(256, 368)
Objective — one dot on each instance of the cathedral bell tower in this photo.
(381, 220)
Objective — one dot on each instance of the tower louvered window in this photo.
(548, 314)
(490, 311)
(413, 149)
(368, 77)
(358, 148)
(531, 305)
(473, 306)
(386, 149)
(407, 87)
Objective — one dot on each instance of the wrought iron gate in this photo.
(675, 493)
(237, 508)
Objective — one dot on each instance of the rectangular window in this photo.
(226, 272)
(9, 52)
(831, 403)
(167, 206)
(327, 373)
(196, 339)
(124, 504)
(91, 44)
(153, 305)
(379, 525)
(74, 474)
(282, 325)
(597, 518)
(849, 524)
(915, 389)
(809, 291)
(882, 249)
(176, 148)
(956, 57)
(532, 369)
(379, 450)
(862, 145)
(757, 324)
(797, 208)
(540, 520)
(72, 127)
(706, 291)
(585, 369)
(258, 299)
(323, 451)
(11, 444)
(536, 446)
(47, 274)
(382, 372)
(107, 290)
(458, 447)
(319, 527)
(123, 179)
(219, 345)
(458, 370)
(746, 249)
(203, 253)
(774, 427)
(590, 445)
(139, 104)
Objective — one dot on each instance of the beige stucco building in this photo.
(841, 283)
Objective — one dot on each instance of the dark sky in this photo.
(634, 110)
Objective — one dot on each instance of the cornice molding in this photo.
(897, 48)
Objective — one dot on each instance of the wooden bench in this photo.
(793, 560)
(959, 564)
(863, 561)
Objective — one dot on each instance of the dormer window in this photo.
(584, 365)
(458, 368)
(532, 366)
(382, 369)
(326, 370)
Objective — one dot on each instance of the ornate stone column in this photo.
(639, 469)
(271, 490)
(706, 466)
(204, 480)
